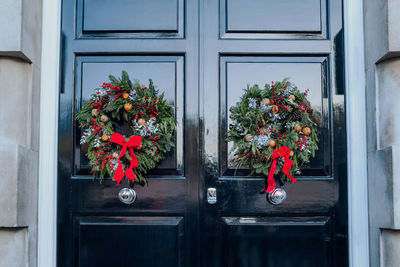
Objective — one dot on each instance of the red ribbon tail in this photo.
(119, 173)
(134, 160)
(271, 181)
(130, 174)
(134, 163)
(286, 167)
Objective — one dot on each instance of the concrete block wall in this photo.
(20, 47)
(382, 68)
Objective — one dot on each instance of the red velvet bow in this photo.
(132, 143)
(283, 152)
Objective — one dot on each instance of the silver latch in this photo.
(211, 195)
(127, 195)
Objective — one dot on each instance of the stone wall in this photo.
(20, 46)
(382, 60)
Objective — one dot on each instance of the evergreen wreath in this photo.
(274, 131)
(127, 127)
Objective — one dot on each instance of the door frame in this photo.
(358, 232)
(358, 237)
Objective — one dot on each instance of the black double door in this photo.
(202, 54)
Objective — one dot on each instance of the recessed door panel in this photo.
(255, 241)
(270, 19)
(130, 18)
(123, 241)
(306, 73)
(167, 75)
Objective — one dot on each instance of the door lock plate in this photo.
(211, 195)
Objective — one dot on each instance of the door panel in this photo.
(167, 71)
(94, 228)
(164, 195)
(317, 196)
(128, 239)
(260, 241)
(289, 19)
(307, 72)
(256, 43)
(266, 16)
(130, 18)
(138, 15)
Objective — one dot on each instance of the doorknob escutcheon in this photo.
(127, 195)
(277, 196)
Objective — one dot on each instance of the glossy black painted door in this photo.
(202, 54)
(248, 42)
(155, 39)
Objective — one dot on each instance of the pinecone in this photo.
(282, 128)
(296, 115)
(104, 100)
(137, 106)
(258, 102)
(266, 116)
(107, 147)
(258, 159)
(274, 135)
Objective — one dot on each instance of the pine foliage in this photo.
(158, 132)
(262, 121)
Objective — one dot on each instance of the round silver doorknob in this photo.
(127, 195)
(276, 196)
